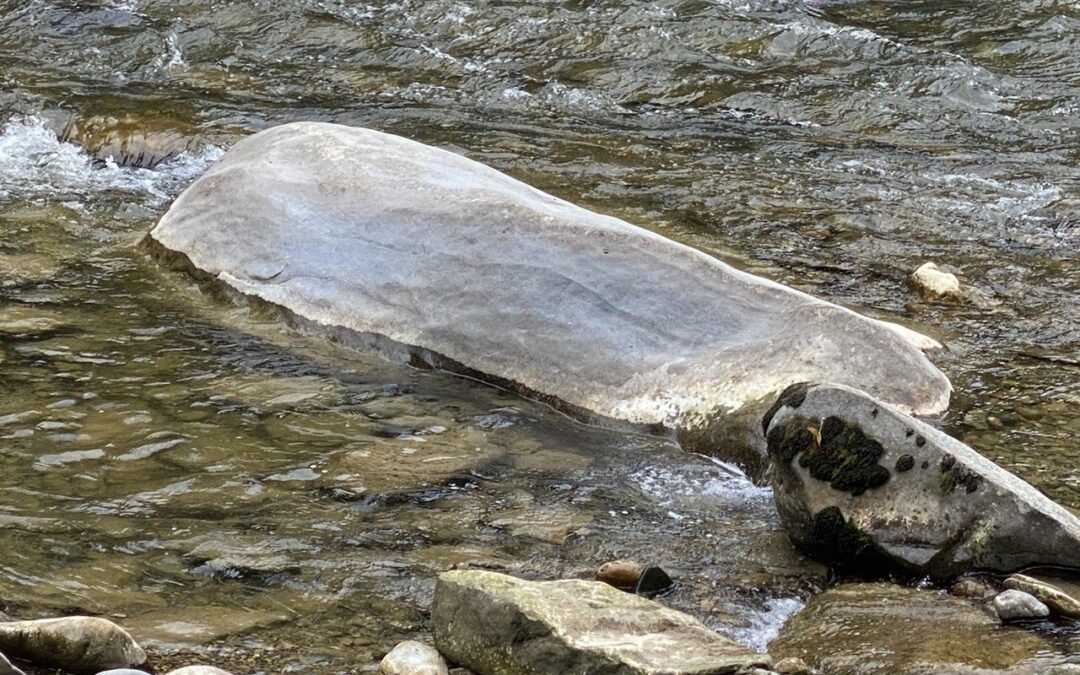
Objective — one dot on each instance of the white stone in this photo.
(413, 658)
(1012, 605)
(935, 284)
(424, 254)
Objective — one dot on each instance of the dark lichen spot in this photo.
(926, 464)
(905, 463)
(920, 441)
(842, 455)
(874, 412)
(791, 397)
(909, 433)
(947, 462)
(787, 441)
(834, 540)
(959, 476)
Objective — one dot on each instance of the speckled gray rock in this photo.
(857, 482)
(1013, 605)
(413, 658)
(80, 644)
(6, 668)
(1052, 595)
(199, 670)
(428, 256)
(499, 625)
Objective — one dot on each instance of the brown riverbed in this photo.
(227, 489)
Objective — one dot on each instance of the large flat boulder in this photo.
(429, 256)
(495, 624)
(859, 483)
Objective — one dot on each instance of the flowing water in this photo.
(232, 490)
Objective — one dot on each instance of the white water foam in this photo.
(34, 164)
(764, 625)
(699, 485)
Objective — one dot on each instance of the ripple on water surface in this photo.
(229, 487)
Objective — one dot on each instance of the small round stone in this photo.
(1013, 605)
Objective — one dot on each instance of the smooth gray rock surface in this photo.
(495, 624)
(857, 482)
(424, 254)
(80, 644)
(413, 658)
(6, 668)
(1012, 605)
(1053, 595)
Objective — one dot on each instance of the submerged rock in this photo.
(935, 284)
(1054, 596)
(858, 483)
(499, 625)
(6, 668)
(1012, 605)
(199, 670)
(887, 629)
(430, 257)
(80, 644)
(413, 658)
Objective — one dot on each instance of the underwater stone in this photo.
(429, 257)
(837, 506)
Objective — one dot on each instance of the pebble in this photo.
(413, 658)
(1013, 605)
(622, 574)
(935, 284)
(970, 587)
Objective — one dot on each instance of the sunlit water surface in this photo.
(223, 486)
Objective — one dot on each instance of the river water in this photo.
(230, 490)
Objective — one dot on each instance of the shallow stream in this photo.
(227, 488)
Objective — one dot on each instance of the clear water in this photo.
(270, 502)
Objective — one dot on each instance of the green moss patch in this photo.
(838, 453)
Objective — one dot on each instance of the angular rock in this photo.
(1013, 605)
(7, 669)
(499, 625)
(80, 644)
(1052, 595)
(888, 629)
(934, 284)
(859, 483)
(430, 257)
(413, 658)
(199, 670)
